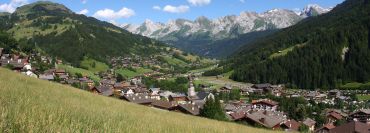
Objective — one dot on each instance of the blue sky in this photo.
(136, 11)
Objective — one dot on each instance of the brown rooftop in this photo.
(352, 127)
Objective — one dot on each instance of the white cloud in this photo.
(84, 1)
(7, 8)
(176, 9)
(112, 15)
(84, 12)
(242, 1)
(12, 5)
(199, 2)
(157, 8)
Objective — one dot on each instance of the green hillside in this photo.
(336, 51)
(32, 105)
(61, 33)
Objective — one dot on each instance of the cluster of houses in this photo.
(189, 103)
(261, 112)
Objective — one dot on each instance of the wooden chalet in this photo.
(362, 115)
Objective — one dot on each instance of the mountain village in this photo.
(258, 112)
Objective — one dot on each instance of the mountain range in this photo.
(56, 30)
(201, 35)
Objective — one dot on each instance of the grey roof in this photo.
(46, 77)
(200, 96)
(309, 122)
(266, 118)
(138, 98)
(258, 86)
(178, 95)
(190, 108)
(105, 90)
(107, 82)
(229, 107)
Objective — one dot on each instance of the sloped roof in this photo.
(309, 122)
(190, 108)
(163, 104)
(266, 118)
(138, 98)
(105, 90)
(237, 115)
(335, 115)
(292, 124)
(352, 127)
(265, 101)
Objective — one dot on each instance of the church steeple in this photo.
(191, 90)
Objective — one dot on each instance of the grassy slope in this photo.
(354, 85)
(128, 73)
(32, 105)
(99, 66)
(174, 61)
(285, 51)
(363, 97)
(74, 70)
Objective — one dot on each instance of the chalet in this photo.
(310, 124)
(333, 117)
(127, 91)
(59, 72)
(266, 87)
(352, 127)
(107, 82)
(179, 98)
(142, 99)
(237, 116)
(165, 105)
(268, 119)
(325, 129)
(276, 90)
(265, 104)
(16, 64)
(226, 89)
(103, 90)
(229, 107)
(246, 91)
(121, 85)
(334, 93)
(87, 81)
(362, 115)
(154, 93)
(189, 108)
(291, 125)
(140, 89)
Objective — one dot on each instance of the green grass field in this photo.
(363, 97)
(354, 85)
(128, 73)
(89, 64)
(174, 61)
(285, 51)
(33, 105)
(84, 72)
